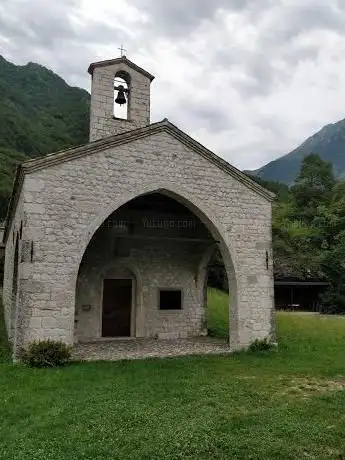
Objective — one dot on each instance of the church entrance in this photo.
(117, 306)
(144, 274)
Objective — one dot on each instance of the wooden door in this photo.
(117, 306)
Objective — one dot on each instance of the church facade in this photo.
(113, 238)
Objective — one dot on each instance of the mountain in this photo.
(328, 143)
(40, 113)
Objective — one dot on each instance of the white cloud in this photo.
(251, 80)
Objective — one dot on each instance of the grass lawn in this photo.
(285, 404)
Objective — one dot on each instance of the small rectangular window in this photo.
(170, 299)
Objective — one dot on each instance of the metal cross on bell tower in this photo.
(122, 50)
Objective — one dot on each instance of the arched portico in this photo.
(168, 249)
(182, 194)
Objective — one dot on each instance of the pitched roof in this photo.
(62, 156)
(123, 60)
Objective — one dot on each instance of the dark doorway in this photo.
(117, 305)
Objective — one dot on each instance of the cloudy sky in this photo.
(250, 79)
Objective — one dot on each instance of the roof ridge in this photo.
(225, 165)
(93, 146)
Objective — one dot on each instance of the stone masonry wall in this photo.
(66, 203)
(102, 121)
(9, 299)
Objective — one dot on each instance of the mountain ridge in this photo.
(40, 113)
(328, 143)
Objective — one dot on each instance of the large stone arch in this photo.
(181, 194)
(186, 197)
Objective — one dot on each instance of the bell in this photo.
(120, 98)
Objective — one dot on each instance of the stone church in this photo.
(113, 238)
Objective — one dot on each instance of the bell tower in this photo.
(118, 84)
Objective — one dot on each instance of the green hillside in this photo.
(39, 114)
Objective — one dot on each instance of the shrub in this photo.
(261, 345)
(46, 353)
(333, 302)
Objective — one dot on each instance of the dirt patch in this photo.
(308, 386)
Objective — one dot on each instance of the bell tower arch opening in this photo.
(121, 109)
